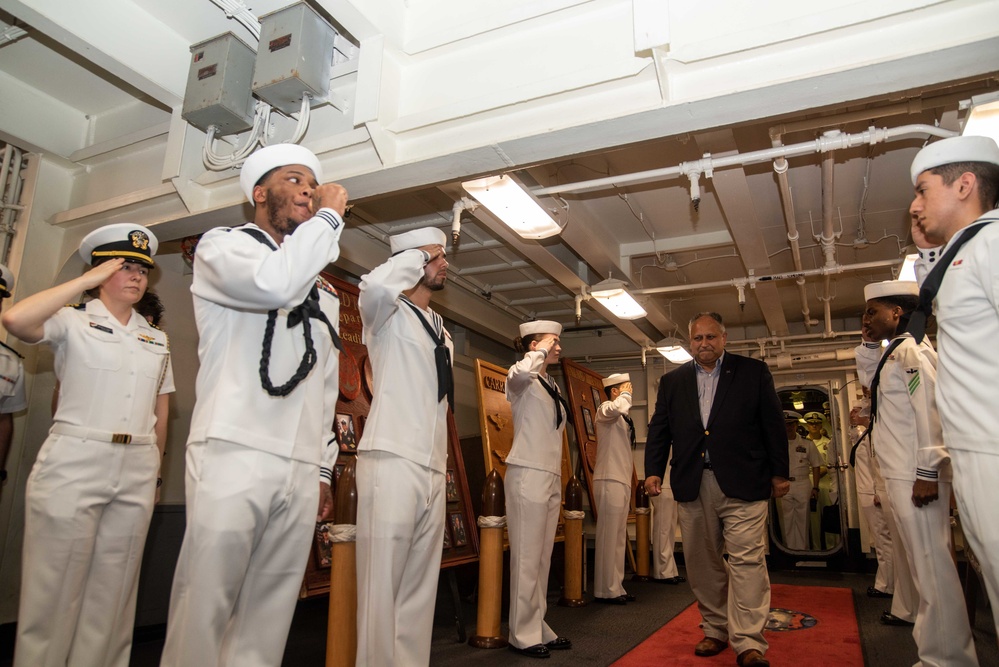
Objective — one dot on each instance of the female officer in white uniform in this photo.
(90, 494)
(612, 475)
(533, 486)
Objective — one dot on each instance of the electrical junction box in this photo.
(218, 85)
(294, 58)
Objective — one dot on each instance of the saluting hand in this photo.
(101, 273)
(330, 195)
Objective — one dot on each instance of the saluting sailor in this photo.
(91, 492)
(612, 477)
(402, 455)
(258, 465)
(12, 398)
(533, 485)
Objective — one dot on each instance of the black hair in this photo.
(150, 307)
(986, 173)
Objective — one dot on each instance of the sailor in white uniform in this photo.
(91, 491)
(533, 486)
(908, 443)
(258, 465)
(612, 477)
(402, 455)
(957, 187)
(873, 499)
(805, 463)
(665, 515)
(12, 398)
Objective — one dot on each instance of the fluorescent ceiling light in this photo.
(673, 350)
(983, 120)
(513, 205)
(908, 270)
(612, 295)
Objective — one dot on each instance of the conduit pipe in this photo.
(706, 164)
(10, 194)
(752, 280)
(787, 204)
(827, 239)
(789, 360)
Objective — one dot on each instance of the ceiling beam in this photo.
(117, 36)
(735, 200)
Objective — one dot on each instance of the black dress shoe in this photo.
(536, 651)
(875, 593)
(672, 581)
(620, 600)
(559, 644)
(889, 618)
(628, 597)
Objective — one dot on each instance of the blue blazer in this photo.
(745, 433)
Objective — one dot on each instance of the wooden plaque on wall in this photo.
(586, 393)
(496, 425)
(461, 537)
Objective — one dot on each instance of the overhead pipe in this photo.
(706, 164)
(10, 195)
(827, 239)
(787, 204)
(752, 280)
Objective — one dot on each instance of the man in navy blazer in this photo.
(720, 417)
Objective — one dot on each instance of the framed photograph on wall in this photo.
(324, 546)
(459, 535)
(591, 432)
(451, 487)
(346, 435)
(597, 398)
(447, 537)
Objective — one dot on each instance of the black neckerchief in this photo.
(442, 356)
(560, 404)
(631, 430)
(931, 285)
(300, 314)
(19, 355)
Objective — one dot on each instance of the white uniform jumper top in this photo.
(967, 312)
(254, 461)
(533, 498)
(91, 491)
(612, 477)
(401, 464)
(907, 441)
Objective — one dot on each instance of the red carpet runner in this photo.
(822, 632)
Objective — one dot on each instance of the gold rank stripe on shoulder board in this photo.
(76, 306)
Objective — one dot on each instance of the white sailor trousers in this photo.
(665, 513)
(400, 538)
(613, 503)
(251, 518)
(533, 501)
(88, 506)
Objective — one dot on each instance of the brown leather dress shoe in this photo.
(752, 658)
(709, 646)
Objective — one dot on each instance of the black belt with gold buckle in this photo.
(121, 438)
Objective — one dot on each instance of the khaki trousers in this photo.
(733, 595)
